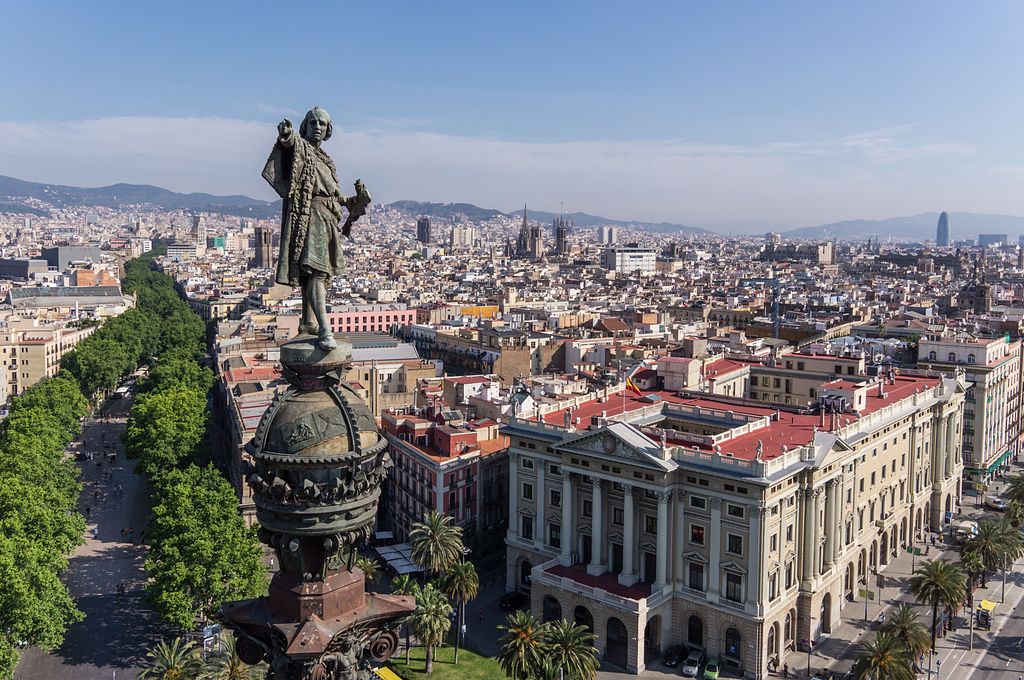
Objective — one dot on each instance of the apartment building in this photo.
(718, 524)
(32, 353)
(444, 463)
(992, 414)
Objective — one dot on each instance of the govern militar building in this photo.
(721, 523)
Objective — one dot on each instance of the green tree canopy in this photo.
(430, 621)
(166, 428)
(436, 543)
(202, 553)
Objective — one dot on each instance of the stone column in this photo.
(714, 548)
(830, 512)
(627, 576)
(839, 520)
(754, 561)
(596, 566)
(808, 546)
(938, 451)
(663, 530)
(950, 445)
(513, 494)
(568, 515)
(539, 528)
(679, 537)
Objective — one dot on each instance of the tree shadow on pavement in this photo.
(117, 630)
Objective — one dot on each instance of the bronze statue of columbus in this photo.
(305, 178)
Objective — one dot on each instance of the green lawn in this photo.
(471, 666)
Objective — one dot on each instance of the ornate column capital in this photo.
(756, 511)
(627, 490)
(596, 481)
(715, 502)
(663, 496)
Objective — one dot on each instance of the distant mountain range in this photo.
(122, 195)
(450, 211)
(916, 227)
(921, 227)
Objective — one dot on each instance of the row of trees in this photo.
(943, 587)
(39, 526)
(202, 554)
(178, 659)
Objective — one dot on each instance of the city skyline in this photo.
(792, 116)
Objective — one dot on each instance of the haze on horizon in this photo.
(792, 113)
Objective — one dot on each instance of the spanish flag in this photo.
(630, 385)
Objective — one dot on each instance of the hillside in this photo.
(123, 195)
(916, 227)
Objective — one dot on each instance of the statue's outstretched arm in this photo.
(285, 133)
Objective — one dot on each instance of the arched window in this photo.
(970, 358)
(952, 356)
(732, 643)
(932, 356)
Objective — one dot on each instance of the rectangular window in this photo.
(650, 524)
(789, 575)
(526, 530)
(696, 579)
(556, 498)
(617, 516)
(527, 491)
(698, 502)
(555, 535)
(773, 586)
(588, 508)
(696, 534)
(527, 462)
(773, 542)
(734, 544)
(733, 587)
(554, 469)
(789, 533)
(735, 511)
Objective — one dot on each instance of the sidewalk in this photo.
(118, 629)
(838, 650)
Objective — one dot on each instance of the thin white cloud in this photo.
(870, 174)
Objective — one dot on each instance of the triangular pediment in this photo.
(622, 442)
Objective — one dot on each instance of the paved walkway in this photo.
(117, 630)
(838, 650)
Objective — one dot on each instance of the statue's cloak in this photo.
(307, 182)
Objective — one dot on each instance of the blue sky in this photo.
(789, 112)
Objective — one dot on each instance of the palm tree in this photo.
(987, 544)
(226, 665)
(972, 566)
(906, 626)
(571, 647)
(1015, 491)
(430, 621)
(521, 649)
(369, 566)
(404, 585)
(436, 543)
(461, 585)
(174, 660)
(884, 658)
(1015, 513)
(938, 583)
(1012, 547)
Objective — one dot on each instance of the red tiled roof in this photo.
(608, 582)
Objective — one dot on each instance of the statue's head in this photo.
(316, 126)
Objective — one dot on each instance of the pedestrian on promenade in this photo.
(131, 535)
(87, 511)
(124, 533)
(142, 539)
(95, 532)
(785, 670)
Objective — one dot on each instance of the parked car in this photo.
(995, 503)
(513, 600)
(691, 667)
(712, 670)
(673, 656)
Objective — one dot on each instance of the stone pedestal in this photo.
(319, 464)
